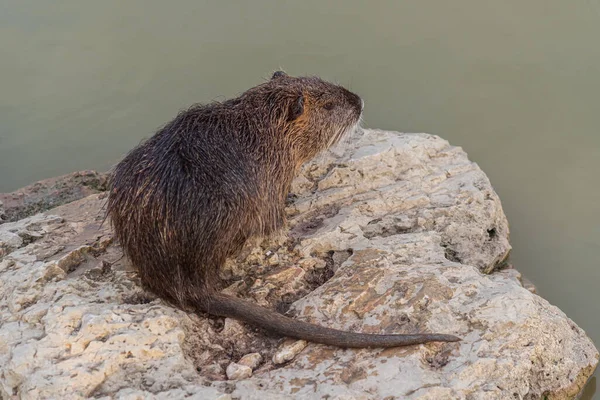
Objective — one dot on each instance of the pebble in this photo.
(288, 352)
(236, 371)
(251, 360)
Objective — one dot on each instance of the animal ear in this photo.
(296, 108)
(278, 74)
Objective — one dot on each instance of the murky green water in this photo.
(516, 83)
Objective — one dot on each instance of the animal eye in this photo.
(329, 106)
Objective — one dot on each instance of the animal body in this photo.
(218, 174)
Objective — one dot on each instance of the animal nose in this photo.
(354, 100)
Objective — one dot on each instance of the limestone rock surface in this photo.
(389, 233)
(50, 193)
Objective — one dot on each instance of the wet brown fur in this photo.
(216, 175)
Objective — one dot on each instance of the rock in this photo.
(286, 278)
(212, 370)
(251, 360)
(50, 193)
(274, 259)
(527, 284)
(289, 351)
(394, 185)
(401, 233)
(15, 235)
(3, 216)
(236, 371)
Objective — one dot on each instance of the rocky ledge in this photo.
(391, 232)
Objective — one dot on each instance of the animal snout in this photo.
(354, 100)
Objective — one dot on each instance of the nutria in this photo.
(216, 175)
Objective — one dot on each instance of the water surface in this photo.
(517, 84)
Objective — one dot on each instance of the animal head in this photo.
(310, 113)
